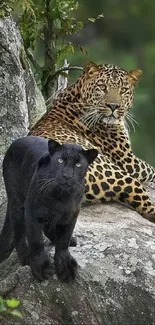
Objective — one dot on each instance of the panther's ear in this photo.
(90, 155)
(91, 68)
(134, 76)
(44, 160)
(53, 146)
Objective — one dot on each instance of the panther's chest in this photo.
(55, 209)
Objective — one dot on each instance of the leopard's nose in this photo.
(113, 106)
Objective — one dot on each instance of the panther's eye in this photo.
(124, 90)
(78, 164)
(60, 161)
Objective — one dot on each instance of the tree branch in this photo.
(32, 59)
(66, 69)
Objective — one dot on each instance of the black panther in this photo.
(44, 183)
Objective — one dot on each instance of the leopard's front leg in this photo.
(120, 153)
(117, 147)
(107, 181)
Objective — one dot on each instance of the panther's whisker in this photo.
(45, 184)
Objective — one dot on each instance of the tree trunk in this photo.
(115, 283)
(21, 101)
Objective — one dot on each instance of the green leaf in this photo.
(100, 16)
(2, 305)
(79, 25)
(92, 20)
(12, 303)
(57, 23)
(17, 313)
(83, 50)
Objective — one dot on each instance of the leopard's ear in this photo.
(134, 76)
(53, 146)
(91, 68)
(90, 155)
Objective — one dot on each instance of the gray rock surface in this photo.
(116, 277)
(20, 99)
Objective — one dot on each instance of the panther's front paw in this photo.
(23, 254)
(73, 241)
(65, 265)
(41, 267)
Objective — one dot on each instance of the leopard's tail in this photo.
(6, 239)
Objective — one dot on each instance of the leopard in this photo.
(92, 112)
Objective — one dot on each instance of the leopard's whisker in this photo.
(97, 119)
(85, 118)
(90, 119)
(48, 102)
(132, 118)
(127, 124)
(91, 122)
(130, 121)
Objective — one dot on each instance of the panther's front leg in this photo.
(107, 181)
(39, 261)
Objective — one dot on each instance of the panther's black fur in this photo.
(44, 183)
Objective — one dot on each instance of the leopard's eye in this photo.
(60, 161)
(123, 90)
(78, 164)
(102, 86)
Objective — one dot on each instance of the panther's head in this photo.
(108, 92)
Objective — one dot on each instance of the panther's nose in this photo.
(68, 174)
(113, 106)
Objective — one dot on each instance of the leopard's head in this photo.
(108, 93)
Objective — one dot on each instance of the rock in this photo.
(20, 99)
(116, 277)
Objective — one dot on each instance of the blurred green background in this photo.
(125, 37)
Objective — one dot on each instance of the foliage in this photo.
(6, 7)
(37, 16)
(10, 307)
(48, 24)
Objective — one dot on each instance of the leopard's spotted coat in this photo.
(92, 113)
